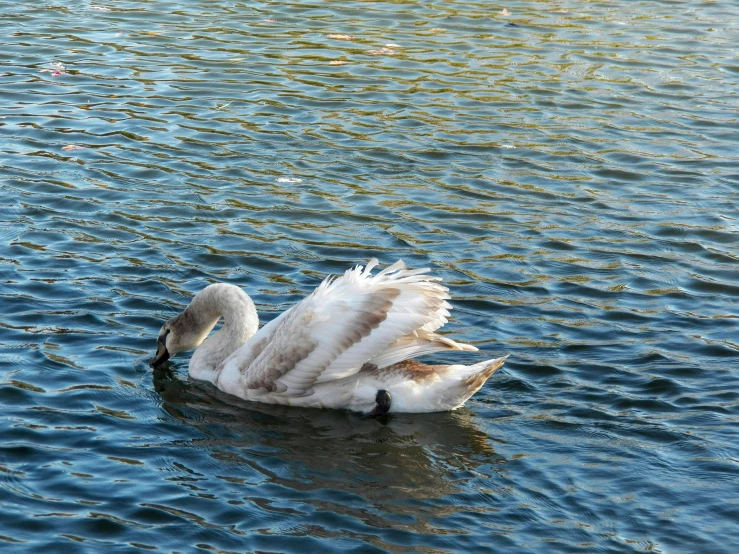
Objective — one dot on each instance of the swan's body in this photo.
(345, 346)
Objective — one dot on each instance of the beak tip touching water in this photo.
(162, 354)
(160, 357)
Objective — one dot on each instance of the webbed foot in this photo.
(384, 400)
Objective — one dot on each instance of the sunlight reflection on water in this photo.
(569, 169)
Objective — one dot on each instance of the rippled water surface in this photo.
(570, 169)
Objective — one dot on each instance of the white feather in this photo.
(348, 339)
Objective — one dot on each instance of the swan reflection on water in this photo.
(397, 460)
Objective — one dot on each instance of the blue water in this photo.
(572, 176)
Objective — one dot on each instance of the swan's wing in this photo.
(245, 355)
(416, 344)
(340, 326)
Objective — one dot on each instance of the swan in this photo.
(348, 345)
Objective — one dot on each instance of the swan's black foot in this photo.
(383, 400)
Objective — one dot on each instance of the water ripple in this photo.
(568, 169)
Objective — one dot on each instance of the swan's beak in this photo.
(162, 354)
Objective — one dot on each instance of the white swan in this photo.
(348, 345)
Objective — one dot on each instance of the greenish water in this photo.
(573, 177)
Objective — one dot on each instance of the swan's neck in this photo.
(240, 322)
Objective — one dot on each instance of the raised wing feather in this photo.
(416, 344)
(340, 326)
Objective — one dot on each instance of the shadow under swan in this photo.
(395, 462)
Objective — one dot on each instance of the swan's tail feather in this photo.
(483, 372)
(472, 380)
(417, 387)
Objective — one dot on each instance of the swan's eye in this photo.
(163, 337)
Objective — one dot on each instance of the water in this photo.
(572, 176)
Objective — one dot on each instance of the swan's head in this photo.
(180, 334)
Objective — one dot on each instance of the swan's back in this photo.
(356, 319)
